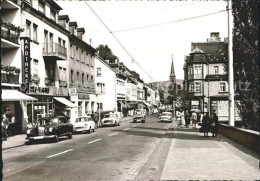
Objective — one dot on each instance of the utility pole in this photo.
(230, 65)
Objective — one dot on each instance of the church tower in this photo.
(172, 74)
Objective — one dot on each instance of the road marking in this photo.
(137, 125)
(93, 141)
(112, 134)
(125, 129)
(59, 153)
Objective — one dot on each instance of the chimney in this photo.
(80, 33)
(72, 27)
(214, 37)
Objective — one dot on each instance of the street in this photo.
(125, 152)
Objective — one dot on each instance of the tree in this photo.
(106, 53)
(246, 60)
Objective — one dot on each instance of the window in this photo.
(35, 32)
(215, 69)
(64, 43)
(77, 53)
(35, 67)
(71, 76)
(71, 51)
(197, 87)
(82, 56)
(87, 77)
(223, 87)
(190, 70)
(192, 87)
(91, 79)
(87, 57)
(83, 78)
(28, 28)
(41, 6)
(77, 77)
(53, 15)
(98, 71)
(197, 69)
(59, 41)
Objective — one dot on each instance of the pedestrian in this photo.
(5, 122)
(182, 117)
(206, 124)
(214, 125)
(178, 118)
(194, 119)
(187, 118)
(96, 119)
(199, 118)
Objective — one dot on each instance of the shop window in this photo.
(80, 108)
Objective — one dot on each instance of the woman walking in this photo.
(182, 117)
(178, 118)
(194, 119)
(214, 125)
(206, 124)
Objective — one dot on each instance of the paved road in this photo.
(126, 152)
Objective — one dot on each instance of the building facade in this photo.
(105, 86)
(81, 72)
(206, 77)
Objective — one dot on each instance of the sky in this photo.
(151, 47)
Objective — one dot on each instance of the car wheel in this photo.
(30, 142)
(70, 135)
(115, 123)
(89, 131)
(134, 121)
(93, 130)
(143, 121)
(56, 139)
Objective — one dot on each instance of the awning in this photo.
(131, 105)
(147, 104)
(15, 95)
(65, 102)
(122, 104)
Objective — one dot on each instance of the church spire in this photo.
(172, 75)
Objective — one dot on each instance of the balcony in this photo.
(54, 51)
(195, 94)
(10, 74)
(194, 76)
(83, 87)
(10, 35)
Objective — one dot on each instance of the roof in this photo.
(54, 5)
(73, 23)
(64, 17)
(214, 51)
(172, 70)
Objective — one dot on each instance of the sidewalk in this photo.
(193, 156)
(19, 140)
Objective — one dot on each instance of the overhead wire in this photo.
(118, 40)
(170, 22)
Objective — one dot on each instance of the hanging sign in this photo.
(26, 62)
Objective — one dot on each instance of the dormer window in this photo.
(41, 6)
(215, 69)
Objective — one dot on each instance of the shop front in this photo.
(15, 110)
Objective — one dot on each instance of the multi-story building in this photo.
(13, 101)
(49, 73)
(105, 86)
(206, 78)
(81, 71)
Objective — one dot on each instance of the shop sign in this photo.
(72, 91)
(26, 65)
(83, 96)
(195, 103)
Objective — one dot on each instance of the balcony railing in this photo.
(54, 51)
(48, 90)
(9, 33)
(83, 87)
(10, 74)
(195, 76)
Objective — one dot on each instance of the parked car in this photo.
(111, 119)
(84, 123)
(139, 116)
(51, 127)
(166, 116)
